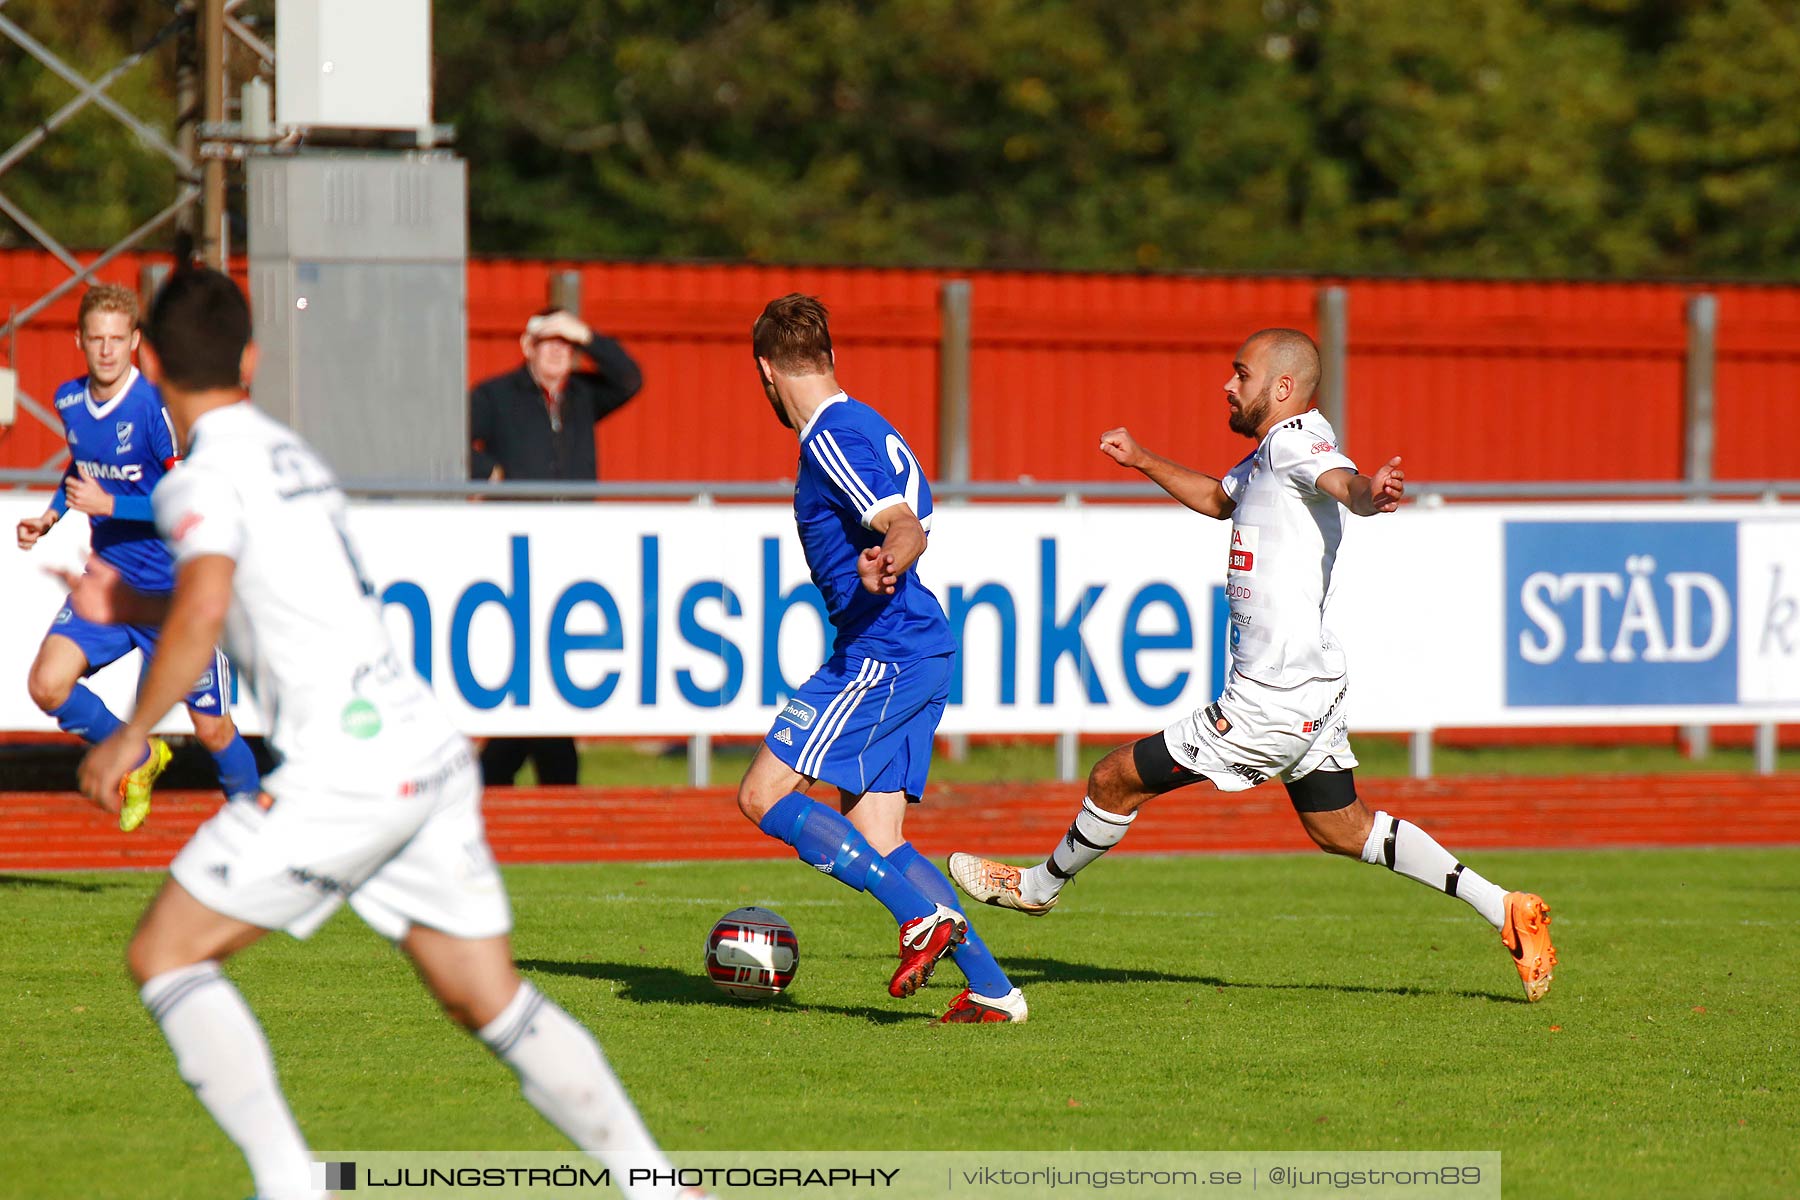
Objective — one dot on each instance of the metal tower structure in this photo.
(202, 33)
(357, 226)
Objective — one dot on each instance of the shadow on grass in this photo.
(665, 985)
(1027, 971)
(52, 883)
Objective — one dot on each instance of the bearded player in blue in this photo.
(120, 444)
(866, 721)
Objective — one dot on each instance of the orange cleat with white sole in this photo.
(1526, 933)
(995, 883)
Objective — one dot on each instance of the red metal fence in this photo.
(1468, 380)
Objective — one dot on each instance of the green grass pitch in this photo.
(1238, 1003)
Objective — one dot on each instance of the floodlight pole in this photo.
(1698, 428)
(215, 247)
(955, 307)
(187, 112)
(564, 291)
(1334, 339)
(955, 320)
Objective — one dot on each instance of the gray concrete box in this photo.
(358, 292)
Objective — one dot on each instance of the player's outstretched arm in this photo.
(1365, 496)
(190, 630)
(902, 542)
(33, 528)
(1199, 491)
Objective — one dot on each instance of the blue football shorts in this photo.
(104, 645)
(864, 725)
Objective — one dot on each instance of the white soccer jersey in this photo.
(1284, 540)
(304, 626)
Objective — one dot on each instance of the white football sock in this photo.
(221, 1054)
(566, 1078)
(1408, 850)
(1094, 832)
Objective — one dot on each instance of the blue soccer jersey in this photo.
(853, 464)
(125, 445)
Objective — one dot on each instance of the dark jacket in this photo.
(509, 420)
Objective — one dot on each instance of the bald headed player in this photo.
(1282, 712)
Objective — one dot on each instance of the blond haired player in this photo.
(120, 447)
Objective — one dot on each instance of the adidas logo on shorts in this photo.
(784, 737)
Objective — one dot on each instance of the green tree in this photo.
(1487, 137)
(1720, 143)
(1475, 137)
(1074, 134)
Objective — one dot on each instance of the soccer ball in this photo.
(751, 953)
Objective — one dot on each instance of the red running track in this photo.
(58, 831)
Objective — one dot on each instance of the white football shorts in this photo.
(416, 854)
(1254, 733)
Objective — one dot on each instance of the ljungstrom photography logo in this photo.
(334, 1176)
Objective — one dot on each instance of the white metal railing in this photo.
(1768, 490)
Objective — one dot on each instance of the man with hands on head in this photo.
(536, 423)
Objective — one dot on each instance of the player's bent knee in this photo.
(466, 1011)
(214, 733)
(178, 931)
(139, 961)
(765, 782)
(752, 803)
(148, 957)
(1328, 840)
(1113, 784)
(54, 672)
(152, 953)
(49, 691)
(473, 979)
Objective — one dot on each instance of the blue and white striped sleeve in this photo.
(162, 439)
(860, 480)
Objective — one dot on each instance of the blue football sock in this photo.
(238, 775)
(825, 839)
(85, 715)
(972, 958)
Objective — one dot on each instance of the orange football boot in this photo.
(1526, 932)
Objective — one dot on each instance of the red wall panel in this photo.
(1505, 381)
(1058, 359)
(1467, 380)
(702, 414)
(1757, 383)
